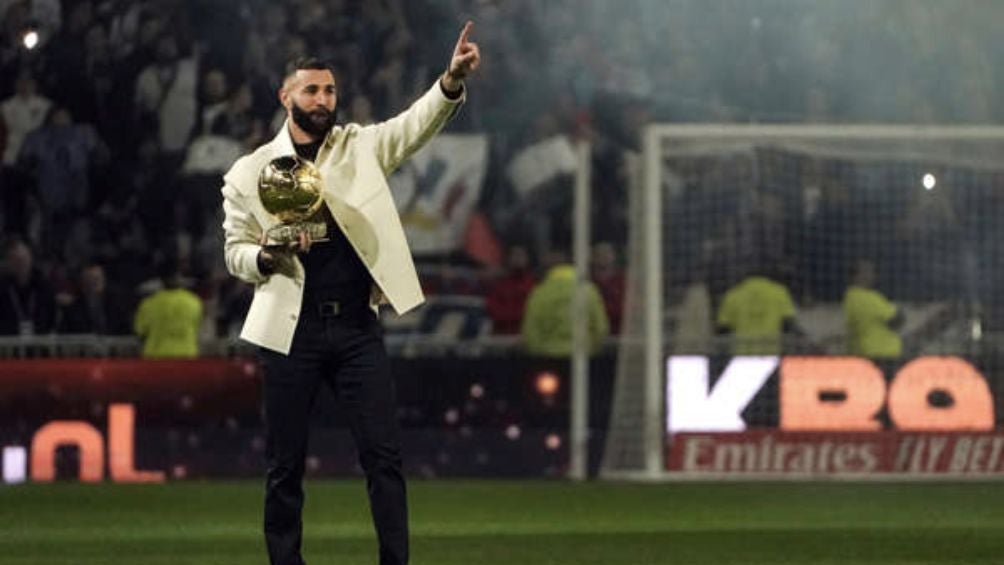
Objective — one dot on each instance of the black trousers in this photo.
(345, 351)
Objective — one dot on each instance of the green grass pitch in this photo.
(516, 523)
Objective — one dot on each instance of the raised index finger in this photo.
(465, 32)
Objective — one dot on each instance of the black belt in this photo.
(329, 308)
(338, 308)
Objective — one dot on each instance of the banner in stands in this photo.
(436, 190)
(831, 416)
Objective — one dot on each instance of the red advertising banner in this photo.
(811, 454)
(135, 420)
(117, 416)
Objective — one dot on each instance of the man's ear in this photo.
(284, 97)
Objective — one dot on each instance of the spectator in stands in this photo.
(209, 155)
(694, 329)
(506, 298)
(27, 301)
(829, 233)
(62, 155)
(870, 319)
(212, 153)
(239, 122)
(547, 321)
(22, 113)
(165, 95)
(608, 276)
(214, 98)
(756, 311)
(168, 321)
(62, 65)
(100, 76)
(96, 309)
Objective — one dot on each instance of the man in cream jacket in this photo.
(314, 310)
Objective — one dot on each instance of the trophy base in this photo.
(283, 235)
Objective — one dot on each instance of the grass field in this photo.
(516, 523)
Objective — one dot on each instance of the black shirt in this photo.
(333, 269)
(308, 150)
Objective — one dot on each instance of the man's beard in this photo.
(316, 123)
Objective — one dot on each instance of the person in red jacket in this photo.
(507, 295)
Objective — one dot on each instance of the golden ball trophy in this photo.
(290, 190)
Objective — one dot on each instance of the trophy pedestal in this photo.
(283, 235)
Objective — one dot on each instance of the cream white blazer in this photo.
(354, 162)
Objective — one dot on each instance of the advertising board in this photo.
(772, 415)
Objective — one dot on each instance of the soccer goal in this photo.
(912, 214)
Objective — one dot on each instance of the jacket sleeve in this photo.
(401, 136)
(242, 234)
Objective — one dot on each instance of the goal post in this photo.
(807, 205)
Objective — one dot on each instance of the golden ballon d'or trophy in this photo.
(290, 190)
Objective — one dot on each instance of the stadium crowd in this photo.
(119, 116)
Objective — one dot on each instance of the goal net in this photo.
(908, 214)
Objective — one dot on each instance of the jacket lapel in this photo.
(282, 144)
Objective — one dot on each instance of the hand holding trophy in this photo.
(290, 189)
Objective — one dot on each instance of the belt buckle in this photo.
(329, 308)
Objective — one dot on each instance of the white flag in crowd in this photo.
(211, 154)
(436, 190)
(540, 163)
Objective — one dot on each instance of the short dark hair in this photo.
(307, 63)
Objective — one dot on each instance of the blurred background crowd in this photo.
(118, 118)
